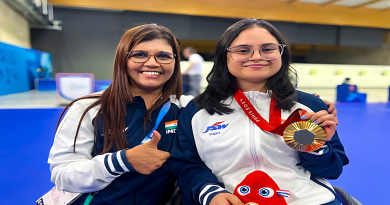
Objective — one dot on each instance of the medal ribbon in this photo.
(275, 115)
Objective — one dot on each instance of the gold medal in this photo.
(304, 136)
(251, 203)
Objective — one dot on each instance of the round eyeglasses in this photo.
(269, 51)
(143, 56)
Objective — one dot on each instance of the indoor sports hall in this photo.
(55, 51)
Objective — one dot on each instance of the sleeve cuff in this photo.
(116, 163)
(322, 151)
(208, 192)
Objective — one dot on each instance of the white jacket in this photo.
(237, 147)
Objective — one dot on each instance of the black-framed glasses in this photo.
(268, 51)
(143, 56)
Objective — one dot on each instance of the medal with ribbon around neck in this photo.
(299, 134)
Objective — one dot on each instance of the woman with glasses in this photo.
(112, 146)
(224, 136)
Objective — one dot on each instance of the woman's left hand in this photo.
(331, 108)
(327, 120)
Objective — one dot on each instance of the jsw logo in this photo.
(216, 126)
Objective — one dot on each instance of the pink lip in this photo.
(257, 66)
(151, 76)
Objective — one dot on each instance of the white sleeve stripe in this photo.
(110, 164)
(205, 189)
(118, 156)
(205, 198)
(317, 153)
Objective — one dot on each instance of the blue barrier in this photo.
(20, 66)
(101, 85)
(42, 84)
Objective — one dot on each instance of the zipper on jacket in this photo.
(252, 145)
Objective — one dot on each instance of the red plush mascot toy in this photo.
(260, 189)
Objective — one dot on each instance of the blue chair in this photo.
(43, 84)
(349, 93)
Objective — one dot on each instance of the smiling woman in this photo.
(108, 145)
(150, 74)
(248, 96)
(251, 73)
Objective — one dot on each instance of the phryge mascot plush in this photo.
(260, 189)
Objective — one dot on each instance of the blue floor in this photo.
(27, 135)
(363, 129)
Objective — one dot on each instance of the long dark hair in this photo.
(115, 98)
(222, 83)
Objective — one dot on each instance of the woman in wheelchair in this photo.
(227, 150)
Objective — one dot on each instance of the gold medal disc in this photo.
(304, 136)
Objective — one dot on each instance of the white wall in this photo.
(331, 75)
(324, 78)
(328, 75)
(14, 29)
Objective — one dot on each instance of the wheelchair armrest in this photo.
(348, 199)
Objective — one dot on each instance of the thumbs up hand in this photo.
(154, 141)
(146, 158)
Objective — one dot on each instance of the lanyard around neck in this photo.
(160, 116)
